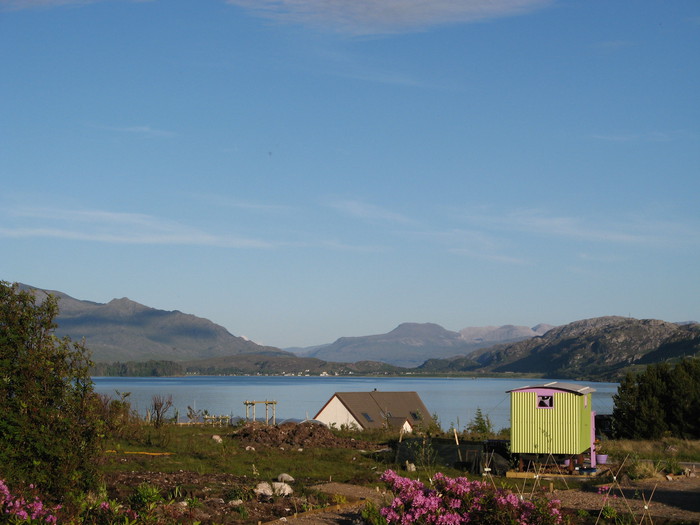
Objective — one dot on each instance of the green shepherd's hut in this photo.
(554, 418)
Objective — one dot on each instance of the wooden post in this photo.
(249, 404)
(459, 452)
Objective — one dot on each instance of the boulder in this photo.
(281, 489)
(217, 439)
(285, 478)
(264, 489)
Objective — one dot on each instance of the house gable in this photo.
(334, 412)
(375, 410)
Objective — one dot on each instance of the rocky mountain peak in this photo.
(419, 330)
(125, 306)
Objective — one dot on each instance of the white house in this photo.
(363, 410)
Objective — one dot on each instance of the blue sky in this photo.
(302, 170)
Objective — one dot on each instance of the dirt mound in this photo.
(296, 435)
(189, 497)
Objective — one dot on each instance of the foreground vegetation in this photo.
(68, 455)
(173, 473)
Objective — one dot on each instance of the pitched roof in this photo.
(558, 385)
(378, 409)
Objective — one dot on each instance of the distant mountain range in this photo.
(602, 348)
(410, 344)
(124, 330)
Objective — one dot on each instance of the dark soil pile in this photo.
(296, 435)
(189, 497)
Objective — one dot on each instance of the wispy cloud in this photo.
(652, 136)
(612, 45)
(364, 17)
(570, 227)
(347, 65)
(382, 77)
(116, 228)
(369, 212)
(475, 244)
(336, 245)
(599, 257)
(228, 202)
(626, 230)
(489, 256)
(142, 130)
(15, 5)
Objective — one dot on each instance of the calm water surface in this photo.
(453, 400)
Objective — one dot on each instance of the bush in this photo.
(453, 501)
(661, 401)
(119, 420)
(49, 430)
(145, 496)
(635, 468)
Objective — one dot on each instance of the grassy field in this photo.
(182, 462)
(173, 448)
(661, 450)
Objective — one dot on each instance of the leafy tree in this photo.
(662, 400)
(49, 428)
(480, 427)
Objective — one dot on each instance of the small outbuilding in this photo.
(554, 418)
(364, 410)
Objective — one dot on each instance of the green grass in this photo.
(192, 449)
(661, 450)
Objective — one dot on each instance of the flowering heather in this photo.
(18, 509)
(453, 501)
(107, 513)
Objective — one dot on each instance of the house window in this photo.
(545, 401)
(367, 417)
(415, 416)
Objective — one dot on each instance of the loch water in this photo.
(453, 400)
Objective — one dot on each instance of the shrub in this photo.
(120, 421)
(453, 501)
(49, 429)
(635, 468)
(145, 496)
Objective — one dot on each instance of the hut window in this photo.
(545, 401)
(367, 416)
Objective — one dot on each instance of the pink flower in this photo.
(454, 501)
